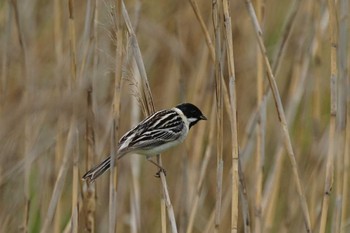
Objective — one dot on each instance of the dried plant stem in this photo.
(233, 121)
(345, 102)
(73, 67)
(247, 140)
(281, 117)
(59, 184)
(216, 7)
(59, 132)
(89, 192)
(148, 108)
(26, 96)
(333, 115)
(5, 55)
(260, 133)
(203, 172)
(116, 116)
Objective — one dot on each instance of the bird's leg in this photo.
(161, 169)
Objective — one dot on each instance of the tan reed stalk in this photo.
(233, 116)
(116, 116)
(204, 28)
(333, 115)
(59, 126)
(135, 195)
(210, 46)
(260, 129)
(203, 173)
(26, 96)
(281, 117)
(59, 183)
(89, 189)
(346, 157)
(247, 140)
(5, 54)
(73, 81)
(216, 8)
(344, 87)
(297, 88)
(148, 108)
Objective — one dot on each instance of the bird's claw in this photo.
(158, 173)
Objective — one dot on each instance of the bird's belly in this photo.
(160, 149)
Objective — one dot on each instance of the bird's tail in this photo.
(101, 168)
(98, 170)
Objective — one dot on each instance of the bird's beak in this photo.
(203, 118)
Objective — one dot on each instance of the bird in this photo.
(156, 133)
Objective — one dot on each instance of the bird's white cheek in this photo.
(192, 119)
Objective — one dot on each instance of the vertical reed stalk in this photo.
(5, 54)
(148, 108)
(116, 115)
(281, 117)
(26, 96)
(60, 122)
(233, 116)
(73, 87)
(260, 133)
(333, 115)
(61, 177)
(216, 7)
(344, 86)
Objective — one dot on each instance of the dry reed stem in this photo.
(247, 140)
(281, 117)
(344, 75)
(59, 126)
(233, 116)
(297, 88)
(89, 192)
(333, 115)
(5, 54)
(260, 130)
(116, 115)
(204, 28)
(135, 195)
(26, 96)
(202, 174)
(59, 183)
(73, 81)
(148, 108)
(216, 8)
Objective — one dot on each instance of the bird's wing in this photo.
(163, 127)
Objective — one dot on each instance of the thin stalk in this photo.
(202, 174)
(89, 192)
(26, 96)
(333, 115)
(281, 116)
(59, 126)
(233, 116)
(61, 177)
(116, 116)
(260, 130)
(345, 102)
(73, 72)
(148, 108)
(216, 7)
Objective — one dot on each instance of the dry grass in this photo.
(76, 75)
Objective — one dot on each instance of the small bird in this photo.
(155, 134)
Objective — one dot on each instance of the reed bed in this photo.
(76, 75)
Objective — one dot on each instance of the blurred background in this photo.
(63, 91)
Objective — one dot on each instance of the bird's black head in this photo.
(192, 113)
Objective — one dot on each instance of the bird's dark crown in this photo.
(192, 113)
